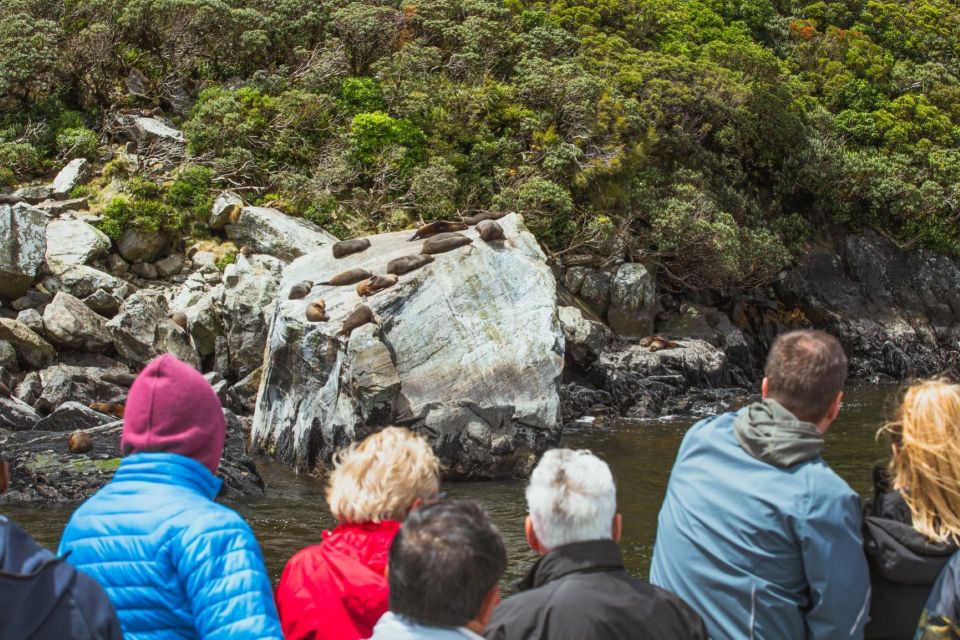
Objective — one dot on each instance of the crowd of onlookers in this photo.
(757, 537)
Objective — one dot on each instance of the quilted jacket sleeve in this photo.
(220, 564)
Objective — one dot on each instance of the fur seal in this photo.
(6, 198)
(246, 251)
(346, 247)
(317, 311)
(406, 264)
(357, 318)
(180, 319)
(300, 290)
(114, 409)
(480, 217)
(122, 379)
(374, 284)
(80, 442)
(490, 230)
(657, 343)
(351, 276)
(438, 226)
(444, 242)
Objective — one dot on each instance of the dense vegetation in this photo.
(712, 136)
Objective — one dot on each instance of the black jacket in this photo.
(44, 598)
(903, 564)
(582, 591)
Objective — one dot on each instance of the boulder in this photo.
(83, 282)
(31, 319)
(226, 206)
(32, 350)
(34, 194)
(71, 416)
(69, 322)
(142, 330)
(467, 351)
(204, 320)
(74, 242)
(16, 415)
(76, 172)
(32, 299)
(150, 129)
(169, 266)
(63, 383)
(8, 357)
(142, 246)
(592, 285)
(24, 232)
(145, 270)
(247, 304)
(60, 207)
(585, 339)
(270, 231)
(633, 300)
(117, 265)
(29, 389)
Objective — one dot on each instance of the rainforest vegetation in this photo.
(717, 138)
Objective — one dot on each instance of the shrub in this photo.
(375, 135)
(77, 143)
(546, 206)
(360, 94)
(18, 158)
(140, 215)
(191, 190)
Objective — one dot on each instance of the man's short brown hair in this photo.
(805, 372)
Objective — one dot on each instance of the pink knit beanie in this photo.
(172, 409)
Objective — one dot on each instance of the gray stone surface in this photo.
(142, 330)
(273, 232)
(69, 322)
(226, 205)
(61, 207)
(32, 319)
(83, 281)
(8, 357)
(633, 301)
(34, 194)
(76, 173)
(247, 305)
(32, 350)
(74, 242)
(585, 339)
(71, 416)
(468, 343)
(169, 266)
(24, 232)
(62, 383)
(153, 129)
(142, 246)
(16, 415)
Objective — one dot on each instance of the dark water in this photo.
(293, 512)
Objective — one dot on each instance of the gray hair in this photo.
(571, 498)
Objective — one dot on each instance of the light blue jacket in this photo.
(174, 563)
(394, 627)
(761, 552)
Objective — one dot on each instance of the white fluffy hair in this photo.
(571, 498)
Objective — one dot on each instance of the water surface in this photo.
(293, 512)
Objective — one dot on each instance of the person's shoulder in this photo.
(824, 481)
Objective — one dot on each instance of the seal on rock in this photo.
(444, 242)
(438, 226)
(480, 217)
(357, 318)
(6, 198)
(114, 409)
(490, 230)
(374, 284)
(317, 311)
(658, 343)
(180, 319)
(122, 379)
(351, 276)
(300, 290)
(346, 247)
(80, 442)
(246, 251)
(406, 264)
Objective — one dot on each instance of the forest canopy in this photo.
(717, 137)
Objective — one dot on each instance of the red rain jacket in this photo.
(337, 590)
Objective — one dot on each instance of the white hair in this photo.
(571, 498)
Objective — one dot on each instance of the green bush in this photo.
(140, 215)
(77, 143)
(546, 206)
(192, 190)
(360, 94)
(376, 137)
(18, 159)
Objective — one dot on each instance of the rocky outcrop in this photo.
(143, 330)
(142, 246)
(226, 206)
(72, 242)
(585, 339)
(273, 232)
(70, 323)
(467, 350)
(625, 297)
(32, 350)
(76, 173)
(24, 232)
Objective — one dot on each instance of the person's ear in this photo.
(416, 504)
(764, 388)
(835, 408)
(617, 528)
(532, 538)
(490, 602)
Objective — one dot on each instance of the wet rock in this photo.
(16, 415)
(71, 323)
(578, 400)
(473, 339)
(70, 416)
(237, 469)
(75, 242)
(585, 339)
(34, 194)
(273, 232)
(242, 397)
(142, 246)
(169, 266)
(227, 205)
(24, 232)
(633, 299)
(31, 319)
(33, 351)
(8, 357)
(76, 173)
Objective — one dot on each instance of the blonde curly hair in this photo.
(380, 477)
(926, 464)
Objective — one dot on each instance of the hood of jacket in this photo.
(32, 582)
(394, 627)
(770, 433)
(896, 550)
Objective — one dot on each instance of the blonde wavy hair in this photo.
(380, 477)
(926, 464)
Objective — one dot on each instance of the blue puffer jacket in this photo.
(760, 551)
(175, 564)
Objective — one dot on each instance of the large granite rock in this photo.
(248, 298)
(32, 350)
(585, 338)
(71, 416)
(75, 242)
(16, 415)
(73, 324)
(76, 173)
(270, 231)
(99, 381)
(24, 232)
(227, 205)
(633, 300)
(142, 246)
(143, 330)
(468, 351)
(96, 288)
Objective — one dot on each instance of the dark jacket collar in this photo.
(579, 557)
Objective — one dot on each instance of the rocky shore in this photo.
(488, 350)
